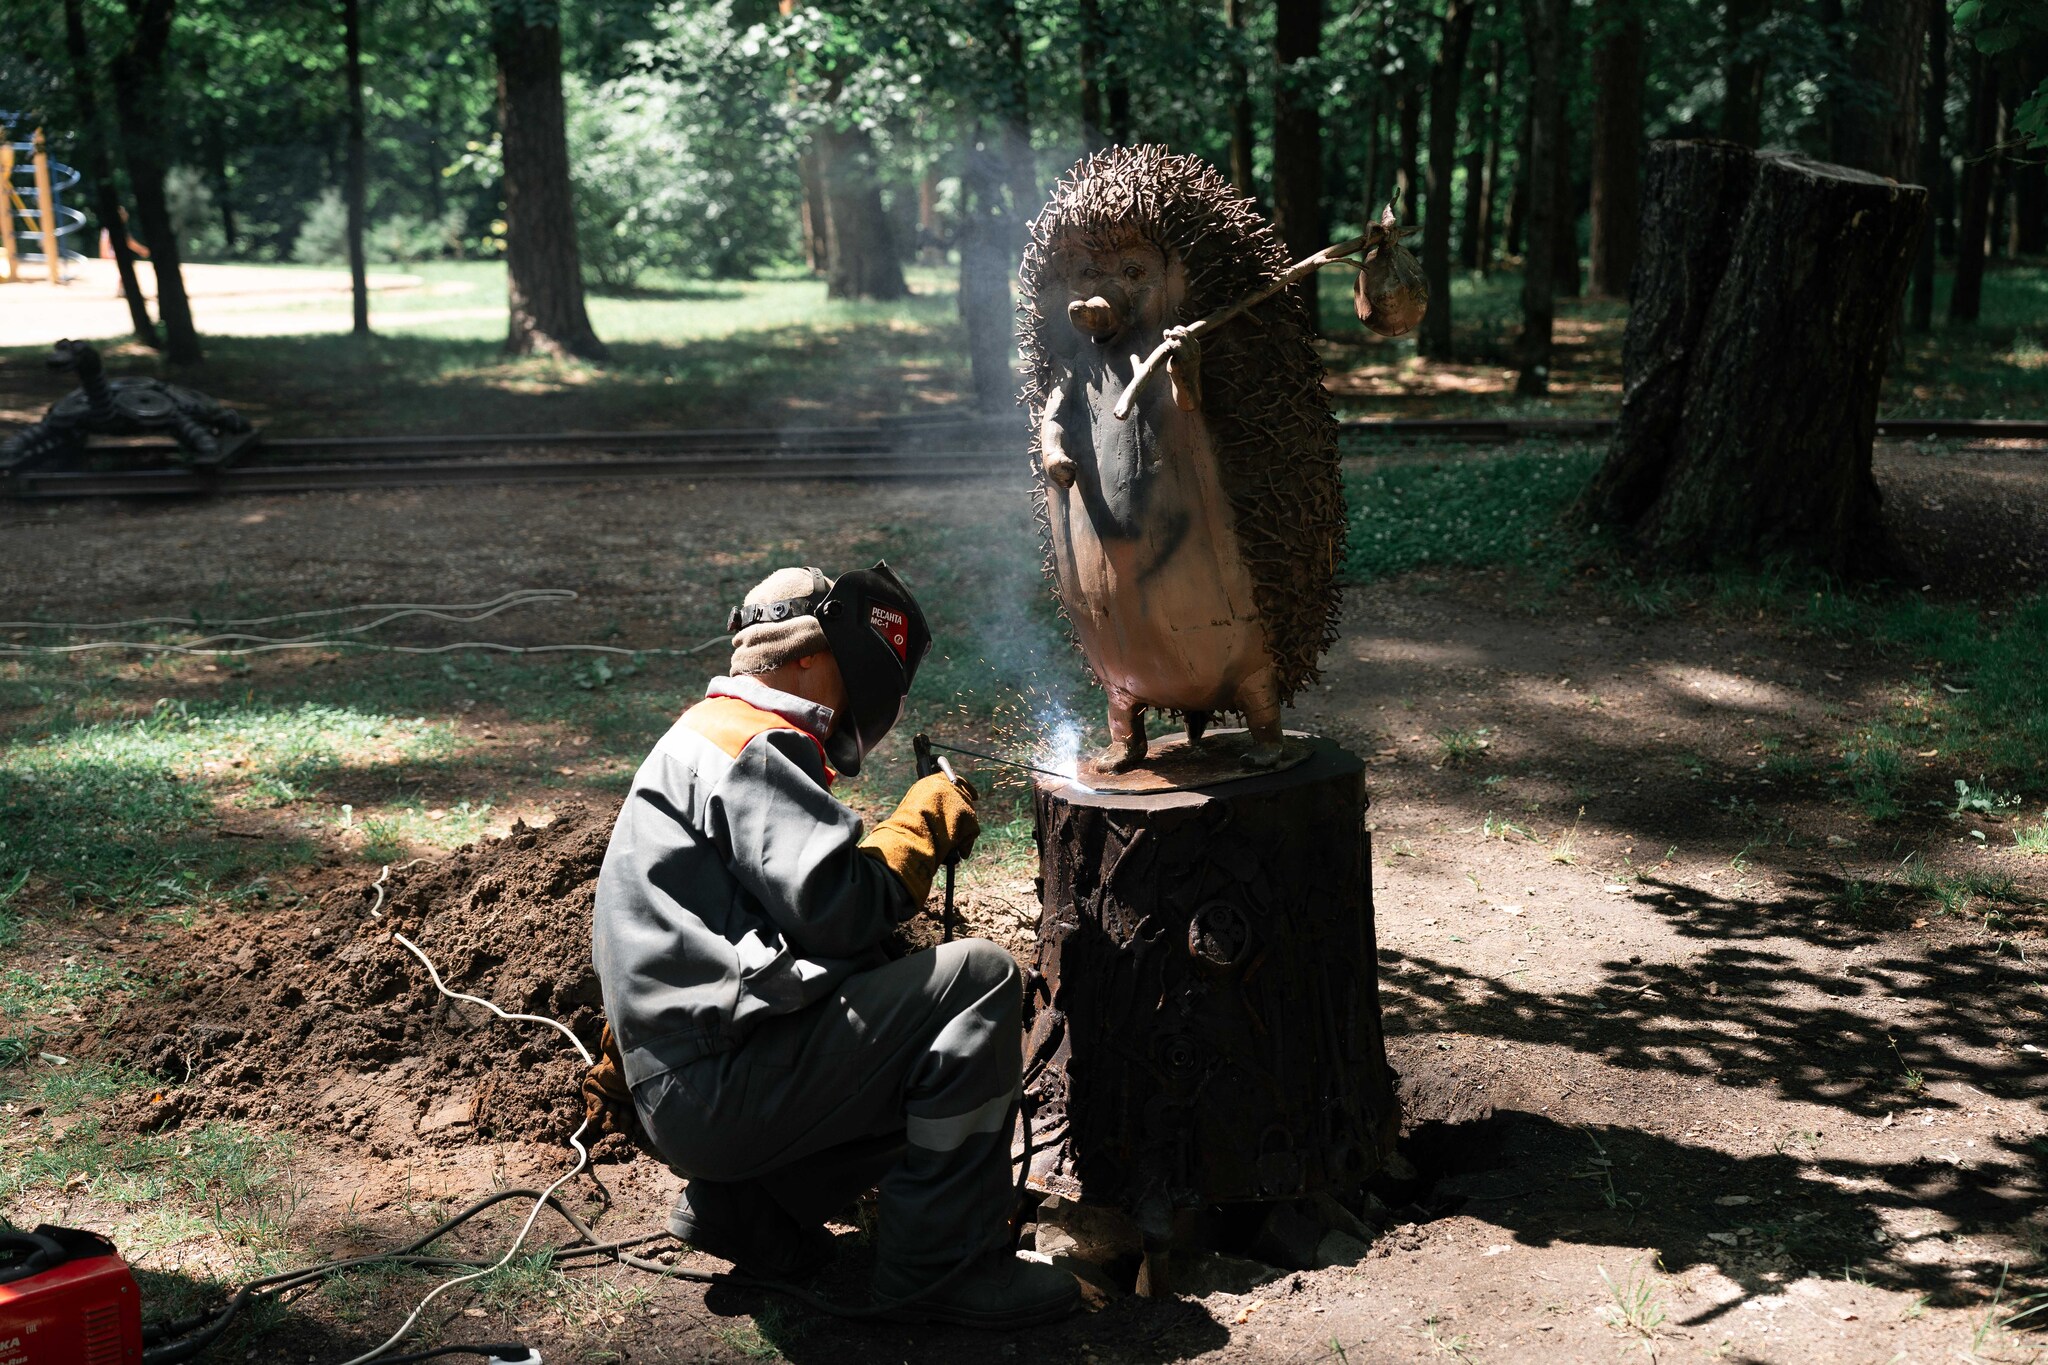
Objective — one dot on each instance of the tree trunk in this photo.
(1566, 281)
(1298, 137)
(357, 189)
(1617, 143)
(1973, 216)
(1489, 195)
(1933, 120)
(987, 230)
(543, 268)
(1204, 1021)
(137, 72)
(1090, 72)
(817, 253)
(1240, 100)
(860, 251)
(1515, 231)
(1763, 446)
(1474, 206)
(223, 186)
(1445, 79)
(98, 170)
(1884, 64)
(1541, 21)
(1694, 197)
(1408, 151)
(1742, 70)
(1375, 154)
(2026, 174)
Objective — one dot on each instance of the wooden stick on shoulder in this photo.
(1338, 253)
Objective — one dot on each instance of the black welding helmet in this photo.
(878, 637)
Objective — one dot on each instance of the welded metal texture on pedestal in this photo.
(1204, 1019)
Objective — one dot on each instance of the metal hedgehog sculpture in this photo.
(1192, 528)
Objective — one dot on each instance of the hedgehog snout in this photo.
(1095, 317)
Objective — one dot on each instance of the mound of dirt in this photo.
(321, 1022)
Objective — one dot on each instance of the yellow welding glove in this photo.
(933, 825)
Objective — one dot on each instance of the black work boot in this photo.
(999, 1291)
(740, 1222)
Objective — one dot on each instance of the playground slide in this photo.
(21, 198)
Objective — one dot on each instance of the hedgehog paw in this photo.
(1266, 754)
(1121, 757)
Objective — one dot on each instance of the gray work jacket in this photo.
(734, 887)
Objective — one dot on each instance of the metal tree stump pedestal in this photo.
(1205, 1020)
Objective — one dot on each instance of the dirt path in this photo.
(1682, 1089)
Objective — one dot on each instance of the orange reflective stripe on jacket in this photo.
(732, 724)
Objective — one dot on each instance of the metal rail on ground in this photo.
(920, 448)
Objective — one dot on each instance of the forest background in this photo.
(628, 142)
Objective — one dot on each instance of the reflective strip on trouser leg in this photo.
(945, 1134)
(949, 1196)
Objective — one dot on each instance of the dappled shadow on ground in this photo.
(1762, 1220)
(1744, 1015)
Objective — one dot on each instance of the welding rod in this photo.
(1006, 762)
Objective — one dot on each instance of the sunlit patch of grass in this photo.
(66, 989)
(1959, 894)
(1634, 1308)
(356, 1294)
(2032, 838)
(115, 810)
(1461, 746)
(531, 1283)
(397, 830)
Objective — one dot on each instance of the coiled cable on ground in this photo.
(235, 644)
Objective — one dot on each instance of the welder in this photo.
(777, 1058)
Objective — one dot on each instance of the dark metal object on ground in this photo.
(207, 435)
(1204, 1020)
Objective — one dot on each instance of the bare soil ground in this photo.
(1682, 1085)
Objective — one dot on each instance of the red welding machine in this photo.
(66, 1298)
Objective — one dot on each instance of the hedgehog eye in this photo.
(1089, 272)
(1134, 271)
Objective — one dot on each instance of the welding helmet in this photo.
(878, 637)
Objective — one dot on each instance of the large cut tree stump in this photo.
(1764, 305)
(1206, 1019)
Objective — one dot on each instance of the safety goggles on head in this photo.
(742, 616)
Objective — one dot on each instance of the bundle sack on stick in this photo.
(1193, 527)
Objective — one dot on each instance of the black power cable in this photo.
(166, 1343)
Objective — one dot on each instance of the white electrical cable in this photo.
(394, 611)
(575, 1138)
(516, 597)
(556, 1024)
(582, 1160)
(489, 646)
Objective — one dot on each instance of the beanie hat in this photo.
(783, 637)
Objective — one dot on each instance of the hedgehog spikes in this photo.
(1194, 547)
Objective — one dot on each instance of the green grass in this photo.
(117, 811)
(71, 987)
(1472, 512)
(2032, 838)
(739, 353)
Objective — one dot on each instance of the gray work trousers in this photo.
(923, 1052)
